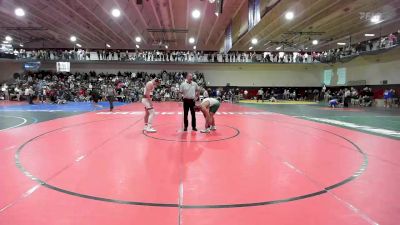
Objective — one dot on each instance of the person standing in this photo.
(237, 95)
(190, 92)
(323, 91)
(260, 94)
(42, 95)
(148, 105)
(29, 95)
(346, 97)
(246, 93)
(111, 93)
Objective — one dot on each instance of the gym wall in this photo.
(8, 67)
(373, 69)
(216, 74)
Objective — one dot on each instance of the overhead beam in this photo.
(306, 33)
(155, 30)
(23, 28)
(86, 21)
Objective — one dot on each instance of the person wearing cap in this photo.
(148, 105)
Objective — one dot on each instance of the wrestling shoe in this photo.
(145, 127)
(213, 128)
(151, 130)
(205, 131)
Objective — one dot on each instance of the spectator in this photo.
(29, 94)
(260, 95)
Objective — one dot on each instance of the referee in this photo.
(190, 92)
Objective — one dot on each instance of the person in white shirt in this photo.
(18, 93)
(260, 94)
(346, 98)
(29, 95)
(148, 105)
(190, 92)
(245, 93)
(167, 96)
(209, 106)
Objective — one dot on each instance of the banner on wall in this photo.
(228, 38)
(257, 12)
(341, 72)
(328, 74)
(63, 67)
(254, 15)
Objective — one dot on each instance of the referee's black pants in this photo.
(189, 104)
(110, 99)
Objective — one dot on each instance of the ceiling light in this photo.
(376, 18)
(72, 38)
(194, 47)
(21, 45)
(369, 35)
(315, 42)
(166, 47)
(251, 47)
(341, 43)
(191, 40)
(8, 38)
(5, 42)
(78, 45)
(217, 14)
(211, 1)
(137, 46)
(254, 41)
(116, 13)
(196, 13)
(279, 48)
(108, 46)
(19, 12)
(289, 15)
(138, 39)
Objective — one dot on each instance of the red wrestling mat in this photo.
(257, 168)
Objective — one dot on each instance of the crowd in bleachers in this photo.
(338, 54)
(347, 96)
(169, 56)
(301, 56)
(60, 88)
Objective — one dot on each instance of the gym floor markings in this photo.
(180, 113)
(370, 129)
